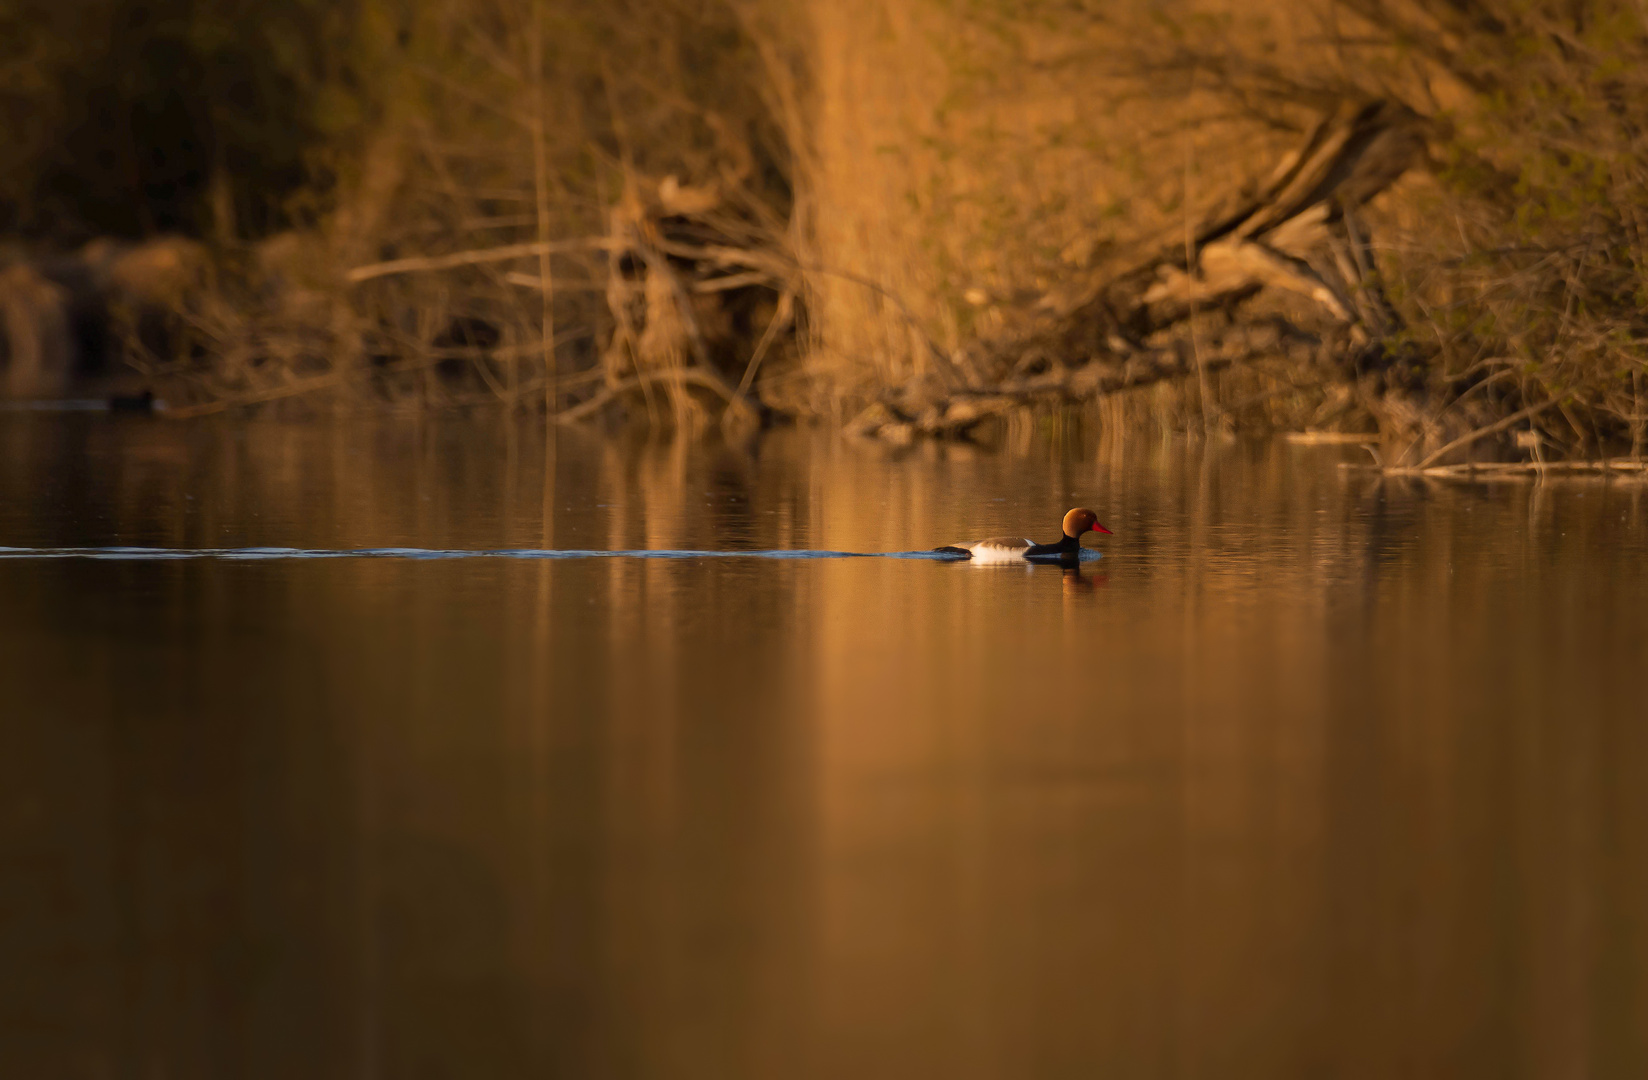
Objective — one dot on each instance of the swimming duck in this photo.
(1017, 548)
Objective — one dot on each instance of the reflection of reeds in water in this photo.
(1286, 791)
(1225, 867)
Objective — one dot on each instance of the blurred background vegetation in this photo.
(800, 207)
(121, 117)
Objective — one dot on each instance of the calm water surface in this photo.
(1313, 775)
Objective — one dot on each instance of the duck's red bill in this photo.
(1100, 528)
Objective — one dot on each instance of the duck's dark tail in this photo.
(953, 551)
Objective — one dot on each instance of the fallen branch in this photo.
(1096, 380)
(783, 316)
(289, 390)
(1507, 470)
(963, 410)
(425, 354)
(1288, 237)
(426, 263)
(1330, 438)
(690, 376)
(1111, 332)
(1482, 433)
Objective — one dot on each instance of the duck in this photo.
(1017, 549)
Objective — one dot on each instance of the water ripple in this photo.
(141, 554)
(250, 554)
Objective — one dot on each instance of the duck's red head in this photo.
(1080, 521)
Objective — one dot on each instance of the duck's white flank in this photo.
(999, 549)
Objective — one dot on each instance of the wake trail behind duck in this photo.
(252, 554)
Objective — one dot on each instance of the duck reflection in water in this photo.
(1078, 584)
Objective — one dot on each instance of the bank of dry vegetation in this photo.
(1424, 220)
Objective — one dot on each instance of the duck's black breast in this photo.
(1067, 546)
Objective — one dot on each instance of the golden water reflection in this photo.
(1312, 775)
